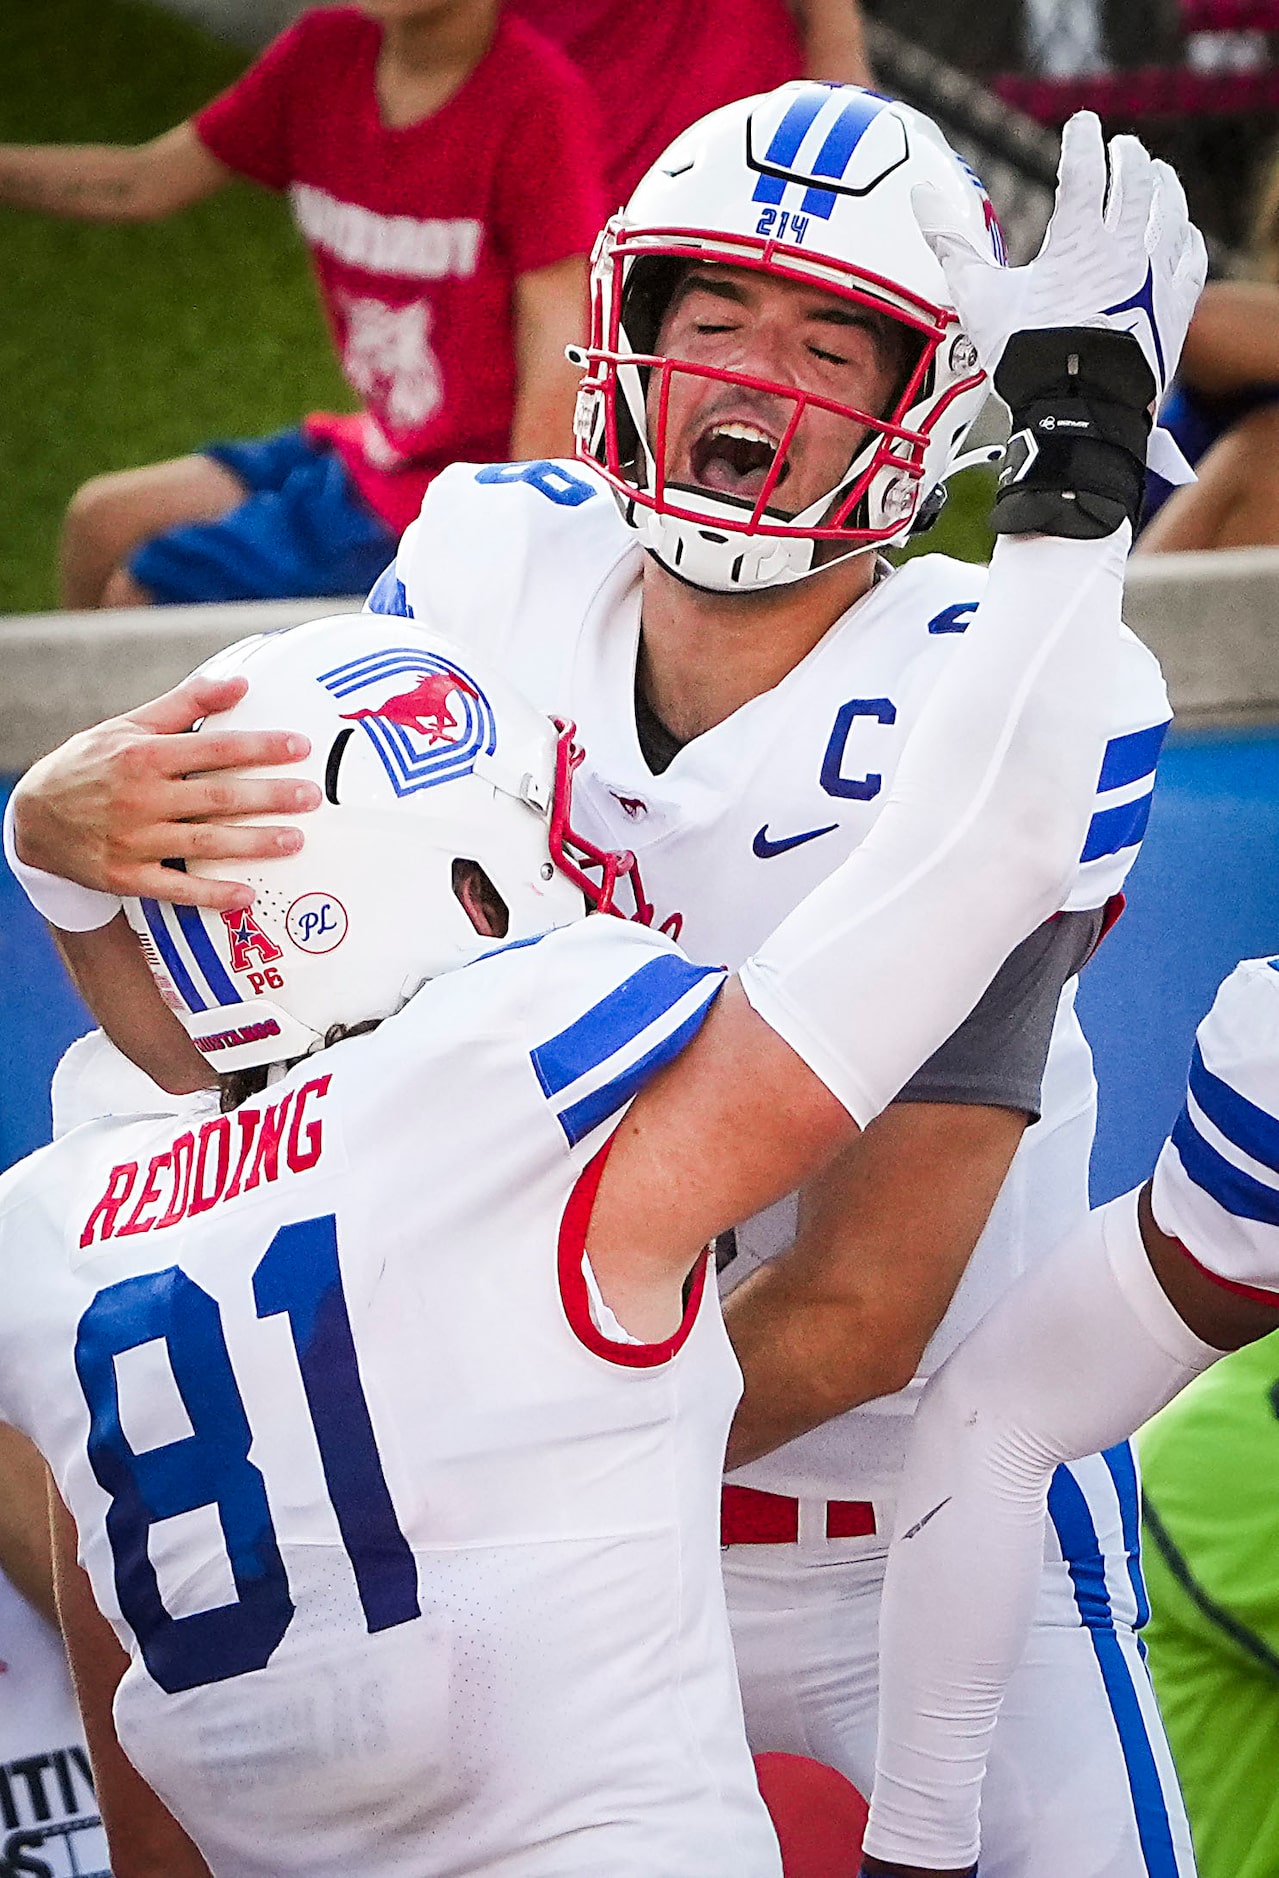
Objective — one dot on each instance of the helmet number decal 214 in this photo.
(776, 222)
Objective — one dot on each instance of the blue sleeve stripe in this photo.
(1233, 1190)
(1110, 830)
(616, 1020)
(388, 596)
(1238, 1119)
(153, 914)
(215, 974)
(579, 1119)
(1130, 757)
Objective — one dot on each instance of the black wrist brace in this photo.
(1081, 401)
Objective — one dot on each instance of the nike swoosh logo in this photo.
(766, 849)
(921, 1523)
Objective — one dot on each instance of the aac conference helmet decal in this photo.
(426, 718)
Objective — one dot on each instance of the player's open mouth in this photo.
(734, 458)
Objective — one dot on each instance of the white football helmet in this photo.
(810, 183)
(423, 759)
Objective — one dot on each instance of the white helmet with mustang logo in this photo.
(810, 183)
(424, 759)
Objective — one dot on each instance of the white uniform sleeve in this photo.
(1126, 783)
(1216, 1185)
(622, 1003)
(1079, 1353)
(978, 840)
(94, 1080)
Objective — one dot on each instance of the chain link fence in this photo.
(1197, 80)
(1015, 157)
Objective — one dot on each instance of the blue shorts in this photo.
(303, 532)
(1196, 422)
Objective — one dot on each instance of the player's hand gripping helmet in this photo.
(810, 183)
(424, 759)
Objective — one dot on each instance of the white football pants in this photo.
(1080, 1781)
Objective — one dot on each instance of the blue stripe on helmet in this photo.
(153, 914)
(841, 140)
(799, 119)
(215, 973)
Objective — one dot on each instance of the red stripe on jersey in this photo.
(576, 1299)
(1254, 1293)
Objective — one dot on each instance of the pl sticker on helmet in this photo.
(316, 922)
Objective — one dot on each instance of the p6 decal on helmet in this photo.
(809, 186)
(424, 763)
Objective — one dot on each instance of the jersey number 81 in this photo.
(298, 1276)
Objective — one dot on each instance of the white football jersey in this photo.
(416, 1569)
(532, 564)
(1216, 1185)
(48, 1813)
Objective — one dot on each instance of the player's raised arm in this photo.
(988, 811)
(884, 960)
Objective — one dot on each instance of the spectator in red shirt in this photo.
(656, 67)
(441, 166)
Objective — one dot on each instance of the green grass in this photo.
(125, 345)
(963, 528)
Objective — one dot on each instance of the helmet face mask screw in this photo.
(898, 498)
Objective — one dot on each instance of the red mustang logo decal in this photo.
(424, 709)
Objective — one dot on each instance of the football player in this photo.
(387, 1393)
(1153, 1288)
(48, 1815)
(778, 383)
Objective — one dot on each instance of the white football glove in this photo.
(1120, 252)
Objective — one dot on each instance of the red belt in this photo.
(749, 1517)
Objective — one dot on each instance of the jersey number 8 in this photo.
(298, 1276)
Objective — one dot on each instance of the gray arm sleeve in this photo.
(997, 1055)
